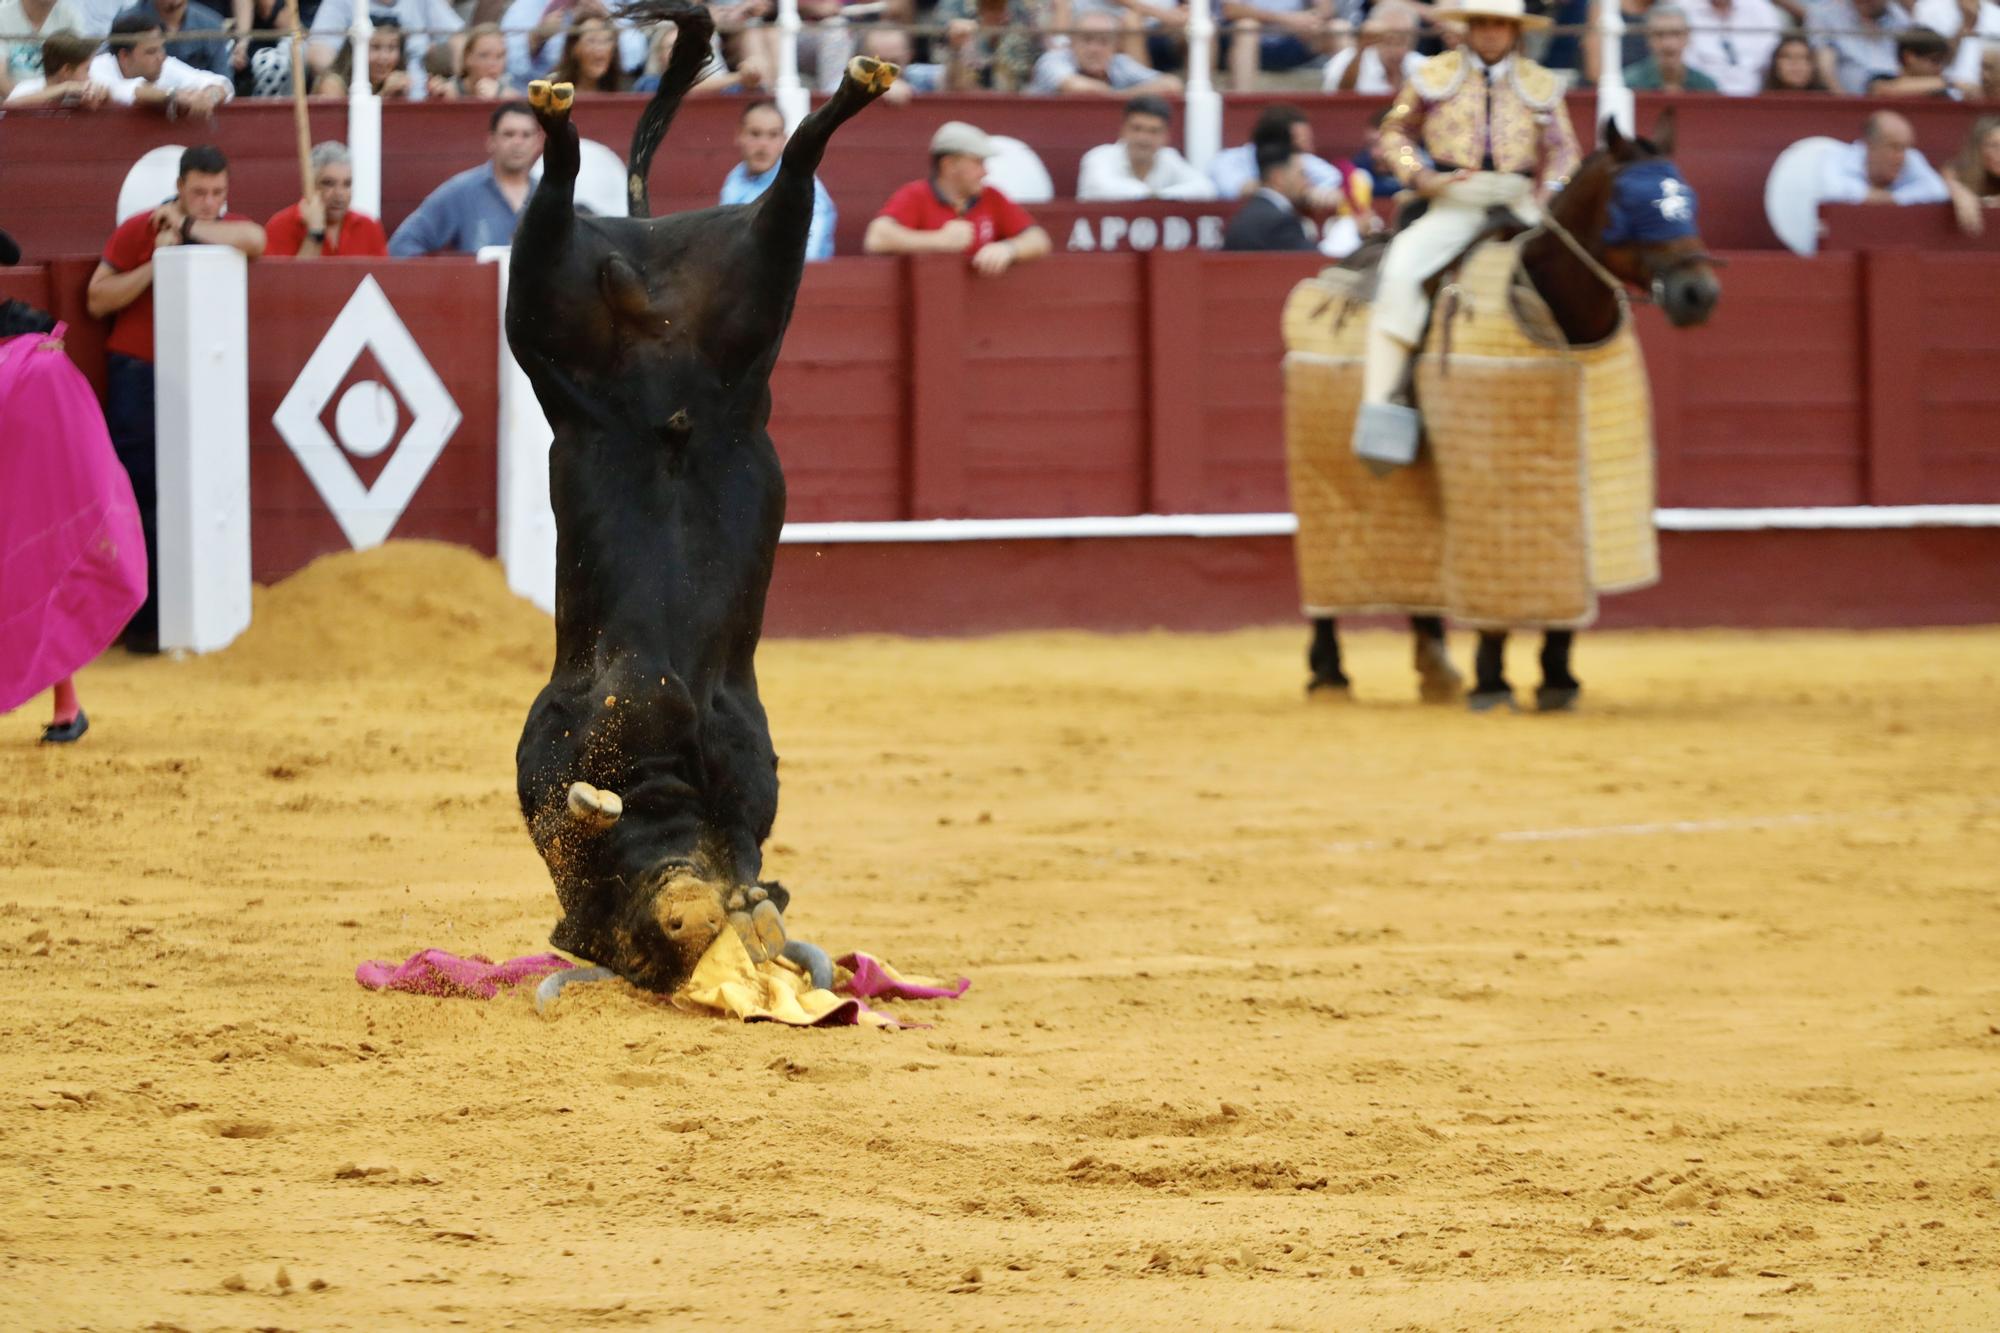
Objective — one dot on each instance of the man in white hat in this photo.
(1493, 123)
(956, 211)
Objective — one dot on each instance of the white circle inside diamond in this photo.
(365, 421)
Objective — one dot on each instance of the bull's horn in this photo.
(594, 805)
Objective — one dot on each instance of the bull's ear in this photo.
(1665, 130)
(1615, 141)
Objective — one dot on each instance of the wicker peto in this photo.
(1534, 492)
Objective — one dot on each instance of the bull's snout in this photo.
(1688, 297)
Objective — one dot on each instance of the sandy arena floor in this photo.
(1679, 1013)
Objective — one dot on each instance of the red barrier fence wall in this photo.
(70, 164)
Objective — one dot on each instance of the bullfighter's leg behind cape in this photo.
(646, 772)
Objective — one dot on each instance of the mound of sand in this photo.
(408, 608)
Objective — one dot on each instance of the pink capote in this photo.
(72, 557)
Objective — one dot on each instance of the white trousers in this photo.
(1416, 254)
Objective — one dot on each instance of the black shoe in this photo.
(63, 733)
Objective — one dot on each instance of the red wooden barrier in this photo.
(1893, 227)
(70, 164)
(353, 314)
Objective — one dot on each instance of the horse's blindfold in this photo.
(1651, 204)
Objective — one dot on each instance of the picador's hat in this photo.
(1507, 11)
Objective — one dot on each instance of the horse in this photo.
(1604, 231)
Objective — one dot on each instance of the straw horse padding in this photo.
(1534, 492)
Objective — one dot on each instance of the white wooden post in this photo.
(527, 524)
(201, 377)
(1614, 99)
(364, 122)
(792, 96)
(1203, 131)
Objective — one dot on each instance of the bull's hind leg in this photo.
(785, 211)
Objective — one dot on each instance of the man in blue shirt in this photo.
(1235, 170)
(1884, 168)
(480, 206)
(760, 137)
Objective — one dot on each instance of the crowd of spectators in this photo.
(1073, 48)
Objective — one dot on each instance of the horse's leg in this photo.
(1558, 690)
(1438, 681)
(1328, 680)
(1490, 689)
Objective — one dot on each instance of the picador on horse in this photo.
(1498, 465)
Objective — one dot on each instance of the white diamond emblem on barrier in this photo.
(367, 322)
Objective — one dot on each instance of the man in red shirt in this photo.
(122, 289)
(956, 211)
(322, 223)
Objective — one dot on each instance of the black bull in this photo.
(645, 769)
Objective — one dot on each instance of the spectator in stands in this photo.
(323, 223)
(760, 138)
(590, 58)
(388, 66)
(208, 52)
(24, 26)
(1631, 43)
(1884, 167)
(421, 22)
(1974, 180)
(1271, 219)
(893, 45)
(1666, 70)
(270, 76)
(1271, 34)
(1793, 68)
(137, 71)
(749, 76)
(1236, 174)
(482, 66)
(980, 58)
(1855, 40)
(1383, 56)
(66, 57)
(121, 288)
(1974, 27)
(1921, 56)
(1141, 165)
(1732, 40)
(1382, 182)
(955, 211)
(1989, 76)
(1095, 67)
(481, 205)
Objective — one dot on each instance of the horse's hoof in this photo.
(1487, 701)
(1438, 681)
(874, 76)
(1556, 698)
(1329, 690)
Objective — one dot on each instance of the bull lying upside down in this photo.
(645, 770)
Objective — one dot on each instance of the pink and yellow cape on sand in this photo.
(73, 557)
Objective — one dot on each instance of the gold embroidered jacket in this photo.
(1444, 106)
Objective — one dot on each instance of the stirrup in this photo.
(1385, 436)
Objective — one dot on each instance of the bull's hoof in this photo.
(1492, 701)
(1438, 681)
(1556, 698)
(594, 806)
(758, 922)
(551, 98)
(874, 76)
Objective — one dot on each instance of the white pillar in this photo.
(792, 96)
(1614, 99)
(364, 123)
(527, 526)
(1203, 131)
(201, 376)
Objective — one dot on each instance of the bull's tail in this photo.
(696, 29)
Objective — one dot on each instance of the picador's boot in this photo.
(1386, 430)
